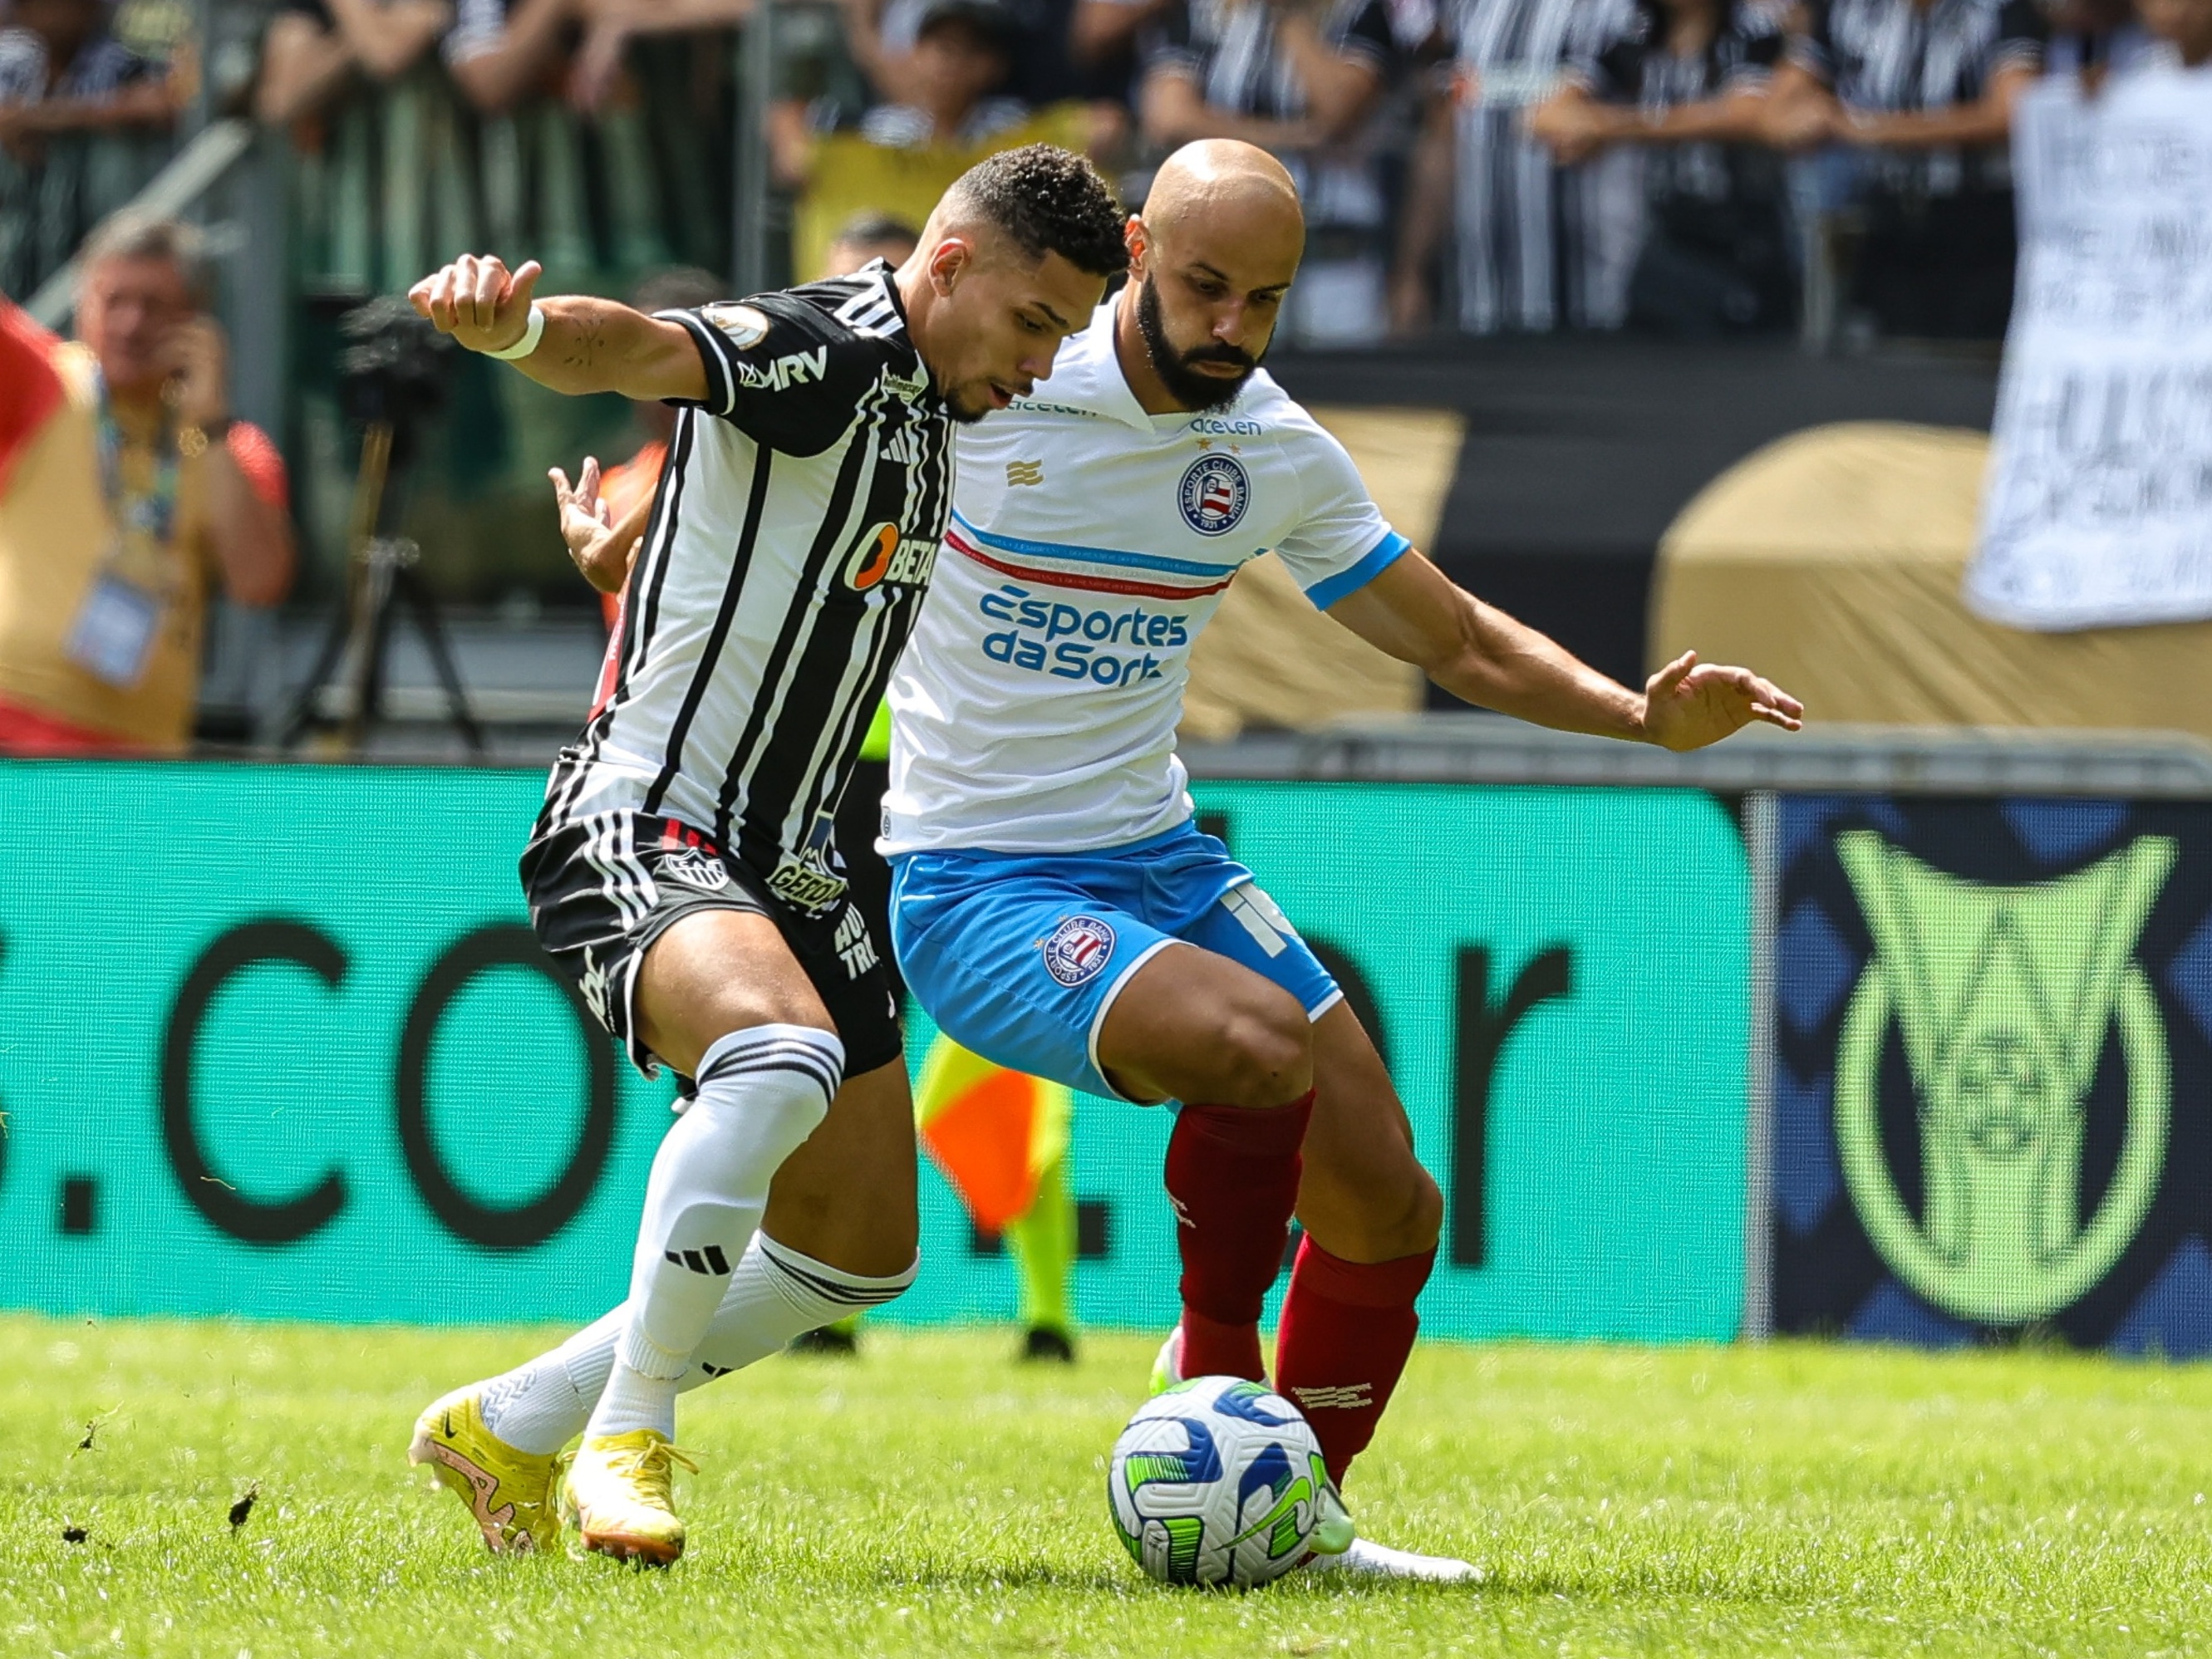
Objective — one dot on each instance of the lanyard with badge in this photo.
(112, 638)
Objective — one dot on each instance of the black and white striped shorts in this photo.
(602, 889)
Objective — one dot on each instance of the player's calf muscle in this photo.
(1380, 1216)
(846, 1196)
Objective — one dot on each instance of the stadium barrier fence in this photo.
(1896, 1038)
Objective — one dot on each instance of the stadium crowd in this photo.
(1491, 166)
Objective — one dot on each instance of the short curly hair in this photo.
(1049, 200)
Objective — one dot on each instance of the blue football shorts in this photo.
(1018, 956)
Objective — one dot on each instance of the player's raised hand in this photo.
(1688, 704)
(587, 526)
(479, 300)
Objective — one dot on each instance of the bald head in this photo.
(1225, 189)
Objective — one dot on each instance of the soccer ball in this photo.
(1214, 1482)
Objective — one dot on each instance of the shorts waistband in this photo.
(1186, 830)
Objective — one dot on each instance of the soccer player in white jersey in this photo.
(1053, 906)
(683, 869)
(1055, 910)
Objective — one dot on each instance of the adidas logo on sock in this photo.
(709, 1260)
(1347, 1397)
(713, 1369)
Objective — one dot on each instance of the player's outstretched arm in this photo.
(1415, 613)
(581, 344)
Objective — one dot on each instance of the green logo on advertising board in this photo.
(2004, 996)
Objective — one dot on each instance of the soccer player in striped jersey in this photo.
(1053, 907)
(684, 868)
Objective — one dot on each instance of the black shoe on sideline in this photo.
(1044, 1343)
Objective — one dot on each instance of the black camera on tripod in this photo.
(396, 372)
(393, 377)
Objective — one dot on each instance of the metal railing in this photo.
(1453, 748)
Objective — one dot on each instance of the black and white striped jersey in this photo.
(1540, 246)
(791, 541)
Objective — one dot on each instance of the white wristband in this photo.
(531, 334)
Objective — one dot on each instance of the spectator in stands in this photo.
(951, 88)
(61, 71)
(64, 78)
(1289, 75)
(1686, 82)
(126, 493)
(1538, 246)
(1302, 78)
(612, 25)
(2183, 26)
(313, 48)
(953, 100)
(2094, 39)
(1102, 42)
(922, 91)
(499, 54)
(882, 35)
(1909, 103)
(867, 237)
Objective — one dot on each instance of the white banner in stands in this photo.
(2099, 511)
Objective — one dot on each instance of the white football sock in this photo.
(762, 1092)
(541, 1405)
(776, 1293)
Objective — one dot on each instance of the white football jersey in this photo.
(1036, 709)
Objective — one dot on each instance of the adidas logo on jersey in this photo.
(795, 368)
(1025, 473)
(903, 447)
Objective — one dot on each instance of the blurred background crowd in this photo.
(1830, 177)
(1487, 166)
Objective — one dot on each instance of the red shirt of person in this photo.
(126, 494)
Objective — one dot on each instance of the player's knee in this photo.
(1265, 1050)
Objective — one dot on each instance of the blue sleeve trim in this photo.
(1387, 552)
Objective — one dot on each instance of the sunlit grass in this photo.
(936, 1497)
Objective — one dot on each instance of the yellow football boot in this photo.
(616, 1495)
(508, 1493)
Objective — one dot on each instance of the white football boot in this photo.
(1337, 1546)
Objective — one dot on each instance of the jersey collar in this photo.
(1088, 374)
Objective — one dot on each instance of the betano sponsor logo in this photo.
(1079, 644)
(883, 555)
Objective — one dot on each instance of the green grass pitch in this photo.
(936, 1497)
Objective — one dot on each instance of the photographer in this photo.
(126, 494)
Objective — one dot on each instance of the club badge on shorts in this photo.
(695, 868)
(1078, 949)
(1214, 494)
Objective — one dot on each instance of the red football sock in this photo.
(1347, 1328)
(1233, 1174)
